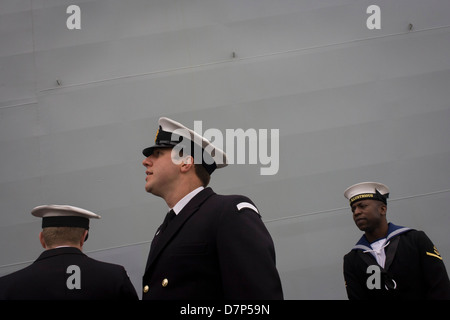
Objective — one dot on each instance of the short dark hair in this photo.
(202, 174)
(54, 236)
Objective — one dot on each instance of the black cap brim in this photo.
(149, 151)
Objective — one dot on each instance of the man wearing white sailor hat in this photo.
(215, 246)
(390, 261)
(63, 271)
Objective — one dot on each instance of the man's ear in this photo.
(42, 241)
(187, 163)
(84, 238)
(383, 209)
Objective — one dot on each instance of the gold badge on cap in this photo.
(156, 137)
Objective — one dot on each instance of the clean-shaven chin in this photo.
(148, 181)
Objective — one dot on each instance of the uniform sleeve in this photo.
(127, 290)
(246, 256)
(435, 274)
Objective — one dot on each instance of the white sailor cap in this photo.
(367, 190)
(63, 216)
(172, 133)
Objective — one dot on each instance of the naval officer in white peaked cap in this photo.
(390, 261)
(63, 271)
(209, 246)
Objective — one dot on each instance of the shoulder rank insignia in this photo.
(436, 253)
(243, 205)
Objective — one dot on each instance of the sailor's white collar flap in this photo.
(393, 231)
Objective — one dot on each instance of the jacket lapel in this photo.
(161, 239)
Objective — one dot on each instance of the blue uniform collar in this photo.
(393, 231)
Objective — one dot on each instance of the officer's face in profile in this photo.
(368, 214)
(161, 172)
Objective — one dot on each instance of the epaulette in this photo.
(243, 205)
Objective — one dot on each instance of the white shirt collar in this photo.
(185, 200)
(378, 250)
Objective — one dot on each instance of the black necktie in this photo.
(169, 216)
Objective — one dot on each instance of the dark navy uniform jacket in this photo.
(213, 250)
(417, 268)
(47, 277)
